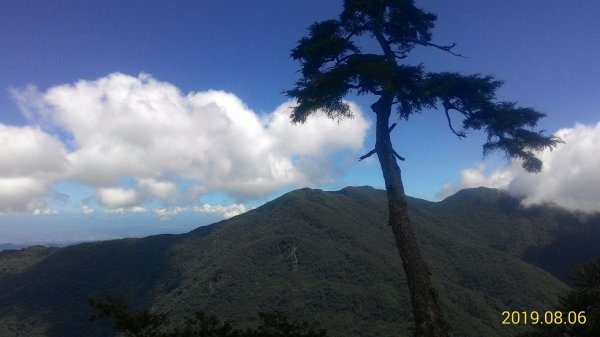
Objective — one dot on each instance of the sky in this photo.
(131, 118)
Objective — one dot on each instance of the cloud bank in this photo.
(169, 145)
(570, 177)
(30, 160)
(226, 211)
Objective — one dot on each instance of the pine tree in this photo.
(581, 304)
(333, 65)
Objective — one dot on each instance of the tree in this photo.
(333, 65)
(144, 323)
(583, 299)
(140, 323)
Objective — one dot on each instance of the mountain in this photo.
(17, 246)
(10, 246)
(324, 257)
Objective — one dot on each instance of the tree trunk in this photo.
(428, 317)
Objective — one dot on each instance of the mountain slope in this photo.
(546, 236)
(327, 257)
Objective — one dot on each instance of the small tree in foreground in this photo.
(143, 323)
(333, 65)
(583, 299)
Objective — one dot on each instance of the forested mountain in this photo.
(324, 257)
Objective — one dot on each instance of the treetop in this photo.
(333, 65)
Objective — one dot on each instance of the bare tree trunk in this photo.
(428, 317)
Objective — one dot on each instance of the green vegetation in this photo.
(143, 323)
(580, 305)
(322, 257)
(14, 262)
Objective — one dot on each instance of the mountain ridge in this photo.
(327, 257)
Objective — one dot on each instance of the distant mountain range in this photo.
(11, 246)
(16, 246)
(324, 257)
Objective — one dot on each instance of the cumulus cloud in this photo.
(44, 211)
(167, 213)
(476, 177)
(29, 160)
(570, 177)
(138, 209)
(227, 211)
(149, 132)
(117, 197)
(120, 210)
(30, 152)
(21, 194)
(158, 188)
(85, 209)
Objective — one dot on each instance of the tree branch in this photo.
(447, 107)
(397, 155)
(440, 47)
(340, 60)
(357, 29)
(392, 127)
(385, 45)
(447, 48)
(399, 54)
(367, 155)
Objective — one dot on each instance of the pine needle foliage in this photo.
(144, 323)
(333, 65)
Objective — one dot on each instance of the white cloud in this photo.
(167, 213)
(475, 177)
(21, 194)
(29, 160)
(122, 126)
(138, 209)
(158, 188)
(30, 152)
(570, 177)
(226, 211)
(45, 211)
(85, 209)
(319, 135)
(117, 197)
(119, 210)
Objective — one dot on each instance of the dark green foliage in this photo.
(202, 324)
(506, 124)
(402, 23)
(323, 257)
(143, 323)
(333, 65)
(14, 261)
(585, 297)
(277, 324)
(140, 323)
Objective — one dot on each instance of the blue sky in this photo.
(128, 118)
